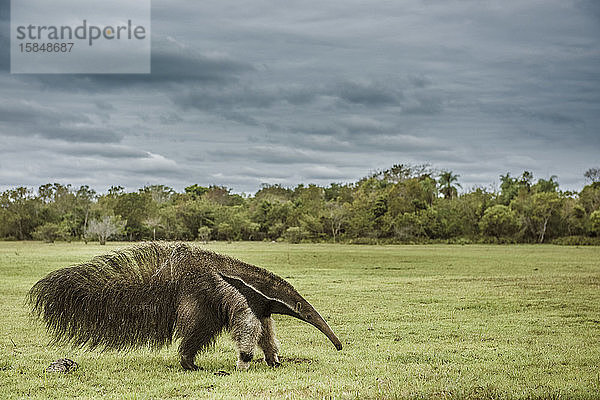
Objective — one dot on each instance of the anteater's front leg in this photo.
(246, 329)
(268, 343)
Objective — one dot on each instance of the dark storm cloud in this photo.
(258, 174)
(513, 111)
(242, 118)
(310, 91)
(100, 150)
(263, 106)
(104, 105)
(170, 118)
(367, 93)
(75, 134)
(226, 98)
(277, 154)
(363, 125)
(171, 63)
(423, 104)
(589, 7)
(4, 35)
(29, 119)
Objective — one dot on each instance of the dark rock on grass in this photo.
(63, 365)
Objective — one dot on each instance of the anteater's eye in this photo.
(308, 316)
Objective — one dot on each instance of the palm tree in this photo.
(447, 184)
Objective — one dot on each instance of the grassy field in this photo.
(416, 322)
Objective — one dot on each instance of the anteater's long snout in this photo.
(321, 325)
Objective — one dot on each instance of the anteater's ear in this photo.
(259, 303)
(298, 307)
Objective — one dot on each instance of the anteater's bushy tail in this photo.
(120, 300)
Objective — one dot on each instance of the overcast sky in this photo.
(246, 92)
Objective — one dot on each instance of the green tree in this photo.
(133, 208)
(192, 214)
(401, 172)
(461, 215)
(274, 193)
(172, 224)
(574, 217)
(221, 195)
(510, 187)
(19, 213)
(196, 191)
(153, 222)
(448, 184)
(368, 208)
(105, 228)
(595, 222)
(335, 217)
(539, 213)
(407, 226)
(84, 198)
(420, 224)
(401, 202)
(593, 175)
(272, 216)
(338, 192)
(50, 232)
(411, 195)
(225, 231)
(499, 221)
(589, 197)
(159, 194)
(547, 186)
(250, 230)
(294, 234)
(204, 233)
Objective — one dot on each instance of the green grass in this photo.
(416, 321)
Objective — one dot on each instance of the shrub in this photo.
(578, 240)
(294, 234)
(204, 233)
(498, 221)
(49, 232)
(225, 231)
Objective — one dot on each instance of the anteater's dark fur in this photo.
(148, 294)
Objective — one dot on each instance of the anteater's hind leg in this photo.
(192, 343)
(268, 343)
(245, 330)
(197, 330)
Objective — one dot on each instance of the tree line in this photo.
(402, 204)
